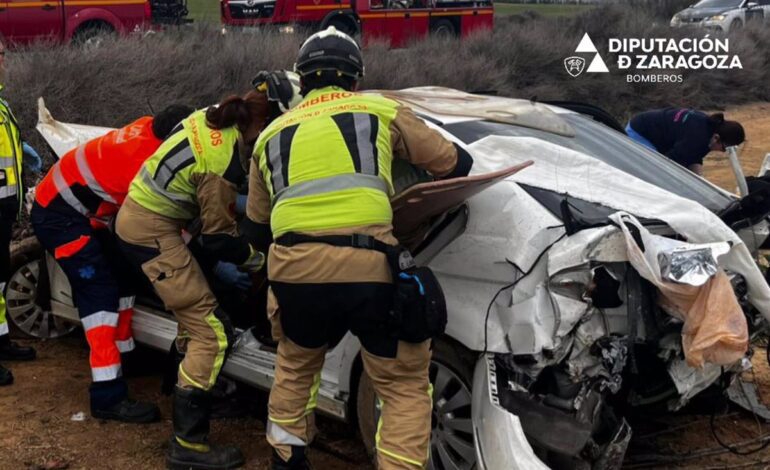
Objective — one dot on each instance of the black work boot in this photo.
(109, 400)
(298, 460)
(189, 449)
(6, 378)
(11, 351)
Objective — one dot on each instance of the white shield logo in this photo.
(574, 65)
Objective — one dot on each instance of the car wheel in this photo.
(93, 35)
(443, 29)
(29, 302)
(736, 25)
(451, 440)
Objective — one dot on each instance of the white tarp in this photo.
(574, 173)
(63, 137)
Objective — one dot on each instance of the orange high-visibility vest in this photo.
(94, 178)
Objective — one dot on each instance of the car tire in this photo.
(451, 373)
(443, 28)
(92, 35)
(28, 295)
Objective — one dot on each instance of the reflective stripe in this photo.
(313, 401)
(366, 133)
(173, 163)
(278, 151)
(192, 446)
(359, 130)
(103, 374)
(8, 191)
(219, 331)
(332, 183)
(175, 198)
(390, 454)
(85, 170)
(279, 435)
(124, 303)
(7, 162)
(3, 328)
(189, 379)
(101, 318)
(66, 192)
(126, 345)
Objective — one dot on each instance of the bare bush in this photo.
(124, 78)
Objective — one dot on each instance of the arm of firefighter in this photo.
(256, 227)
(424, 147)
(219, 231)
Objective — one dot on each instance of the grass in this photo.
(547, 10)
(203, 10)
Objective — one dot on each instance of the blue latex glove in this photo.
(32, 160)
(230, 275)
(240, 204)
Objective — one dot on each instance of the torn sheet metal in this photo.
(448, 102)
(693, 264)
(690, 381)
(579, 175)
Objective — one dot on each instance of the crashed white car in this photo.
(548, 317)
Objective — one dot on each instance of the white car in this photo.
(547, 317)
(722, 15)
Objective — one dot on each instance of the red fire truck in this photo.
(394, 21)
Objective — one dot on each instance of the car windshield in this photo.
(718, 4)
(612, 148)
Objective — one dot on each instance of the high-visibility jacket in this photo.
(327, 162)
(196, 172)
(10, 154)
(94, 178)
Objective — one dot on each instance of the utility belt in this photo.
(418, 311)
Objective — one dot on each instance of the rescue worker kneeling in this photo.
(78, 196)
(320, 175)
(195, 173)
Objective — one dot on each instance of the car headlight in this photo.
(675, 19)
(716, 18)
(286, 29)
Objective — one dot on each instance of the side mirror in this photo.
(751, 5)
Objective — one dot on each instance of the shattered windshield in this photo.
(615, 149)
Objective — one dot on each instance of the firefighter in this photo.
(319, 185)
(195, 173)
(14, 156)
(684, 135)
(73, 206)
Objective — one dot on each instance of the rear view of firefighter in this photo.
(73, 205)
(14, 154)
(195, 173)
(320, 181)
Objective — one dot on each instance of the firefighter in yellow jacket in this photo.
(14, 156)
(195, 173)
(319, 186)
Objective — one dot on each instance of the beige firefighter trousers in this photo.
(180, 283)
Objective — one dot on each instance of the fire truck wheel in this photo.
(443, 28)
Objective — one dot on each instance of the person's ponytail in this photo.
(232, 111)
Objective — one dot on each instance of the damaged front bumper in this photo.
(499, 437)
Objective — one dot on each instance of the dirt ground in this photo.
(37, 429)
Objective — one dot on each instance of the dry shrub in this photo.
(523, 57)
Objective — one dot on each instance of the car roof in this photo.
(447, 106)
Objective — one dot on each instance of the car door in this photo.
(35, 19)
